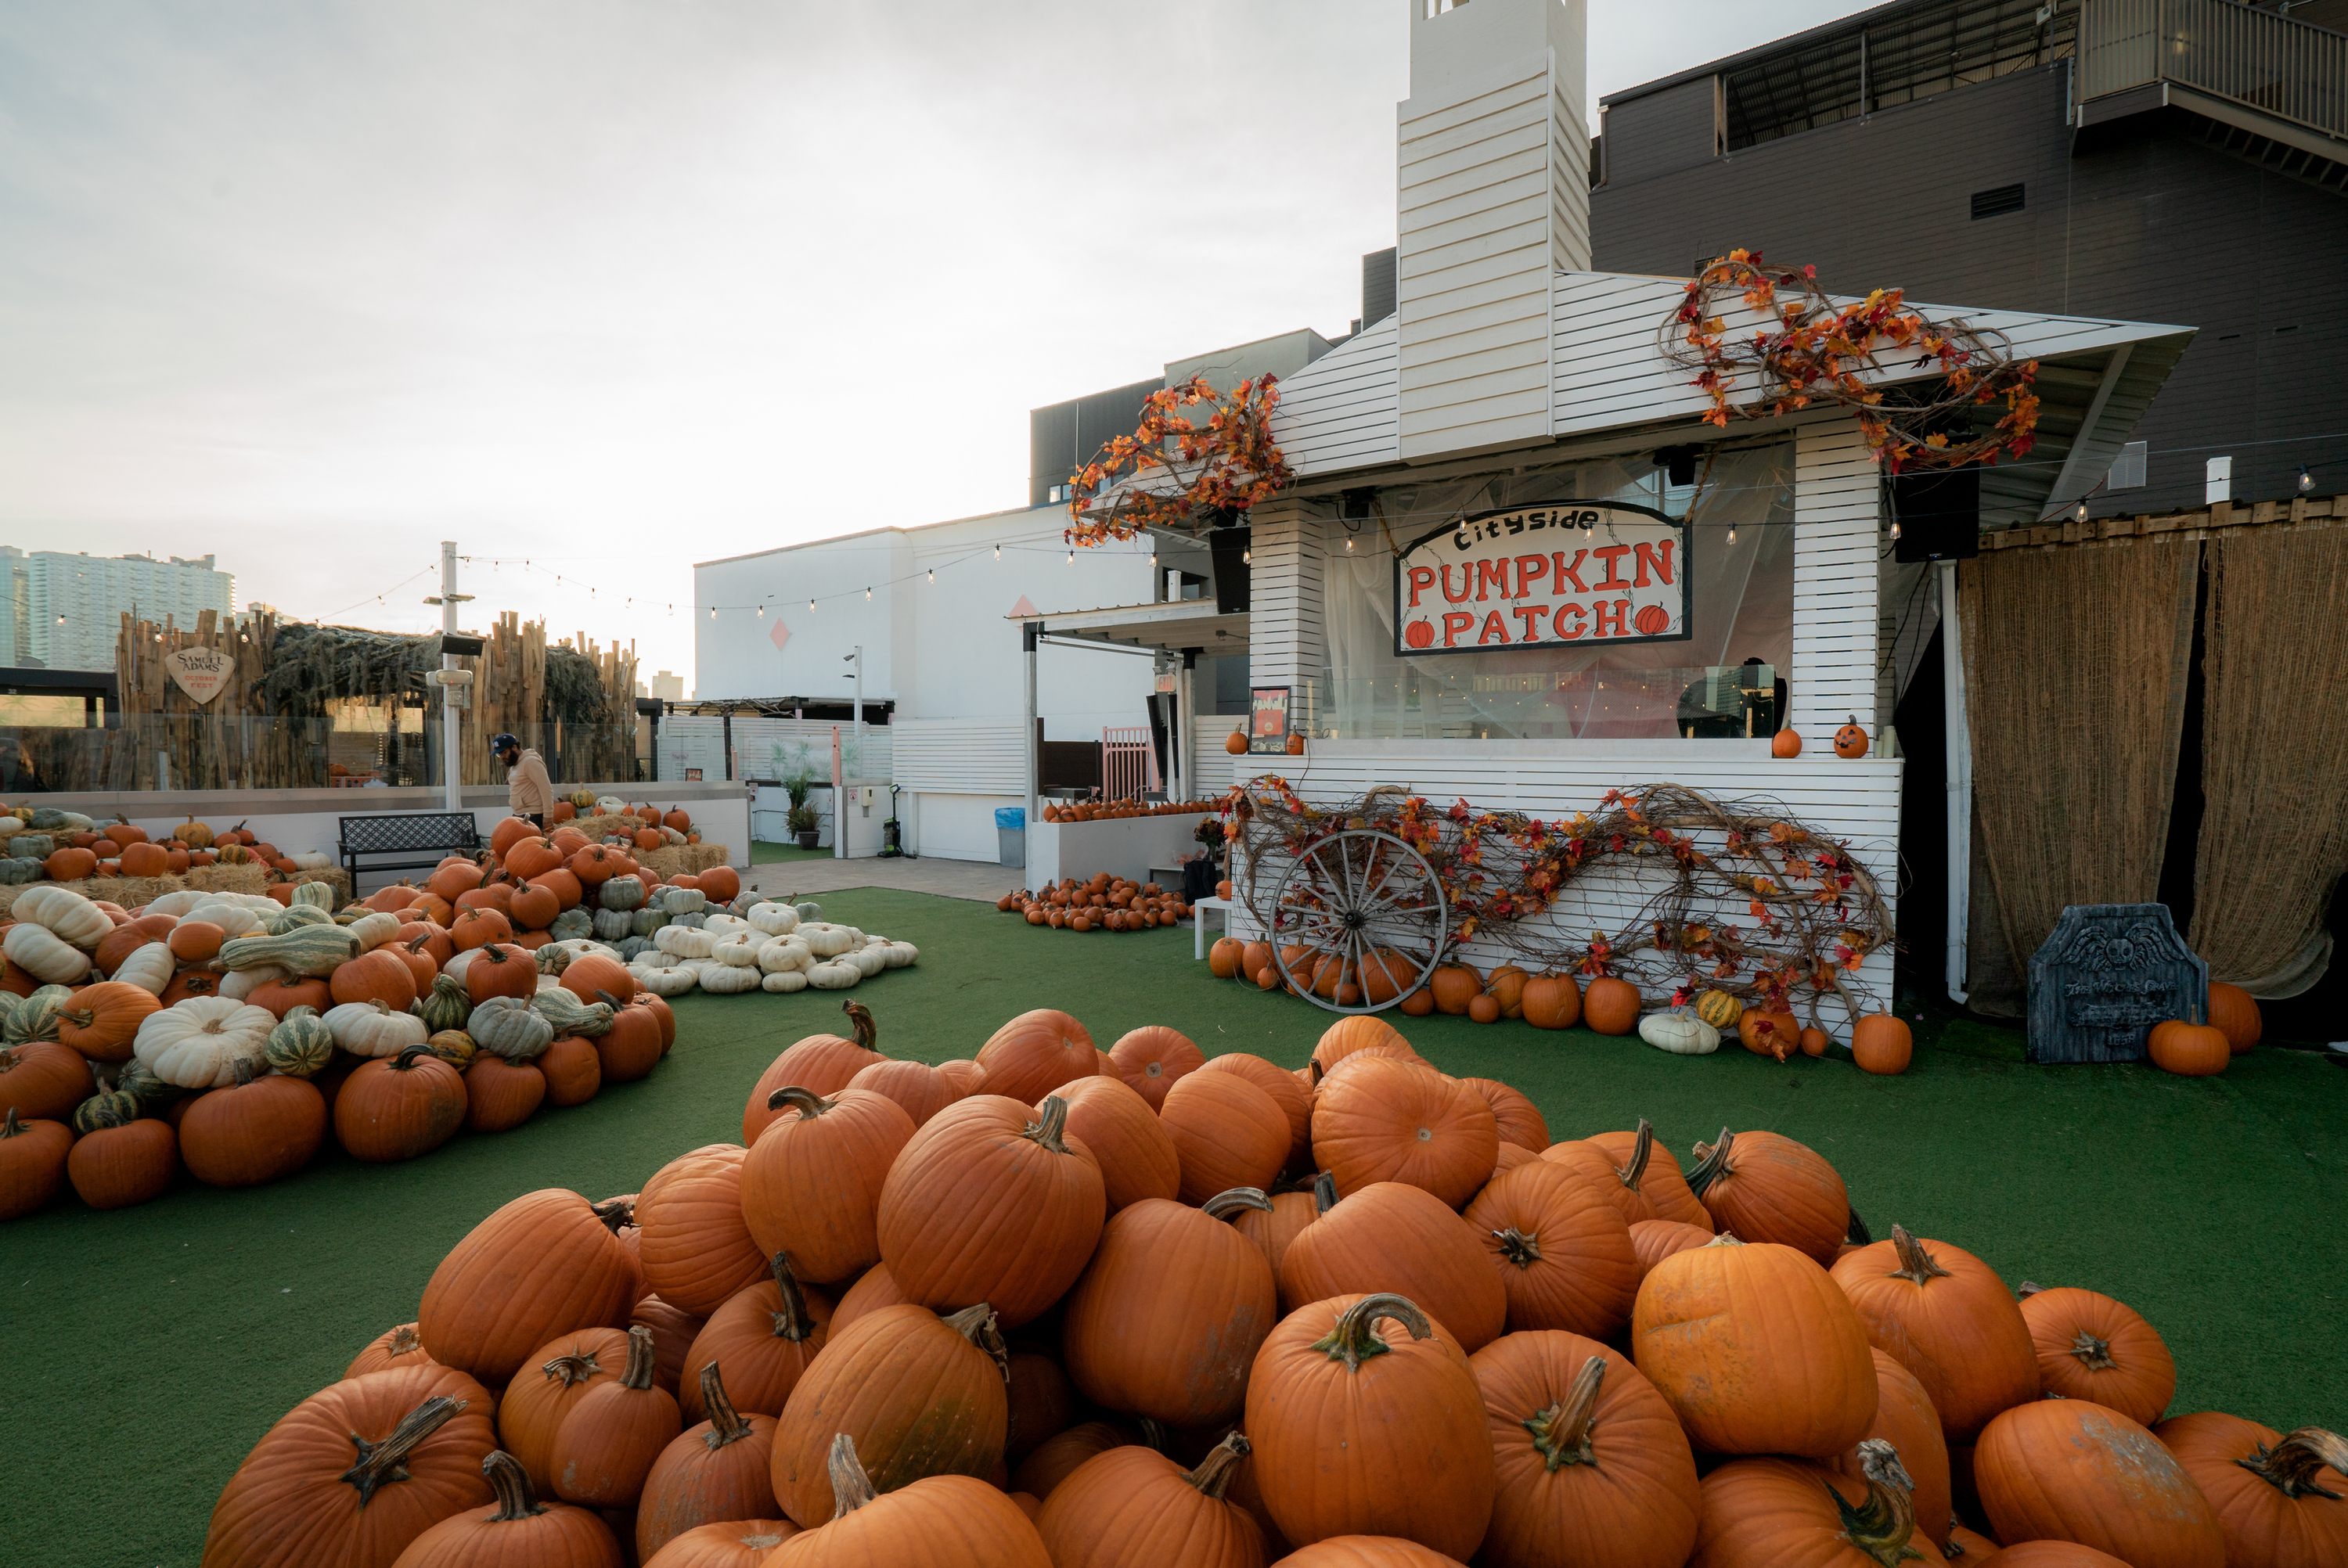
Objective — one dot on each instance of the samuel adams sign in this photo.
(1571, 572)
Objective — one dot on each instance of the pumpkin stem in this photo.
(617, 1215)
(1051, 1122)
(807, 1102)
(1216, 1472)
(244, 1069)
(2293, 1465)
(1856, 1233)
(2094, 1354)
(515, 1500)
(1355, 1340)
(405, 1340)
(1712, 1164)
(793, 1322)
(1224, 1205)
(12, 1128)
(1324, 1192)
(409, 1055)
(851, 1489)
(726, 1423)
(1154, 1435)
(387, 1460)
(573, 1368)
(1643, 1148)
(1882, 1525)
(1562, 1433)
(859, 1019)
(1518, 1247)
(1915, 1263)
(976, 1324)
(2027, 1289)
(642, 1358)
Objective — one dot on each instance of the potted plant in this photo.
(797, 778)
(802, 824)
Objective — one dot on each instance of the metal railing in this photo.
(2282, 67)
(1128, 763)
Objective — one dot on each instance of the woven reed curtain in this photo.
(2076, 663)
(2274, 757)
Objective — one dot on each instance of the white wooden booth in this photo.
(1513, 382)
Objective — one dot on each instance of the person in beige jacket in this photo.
(529, 792)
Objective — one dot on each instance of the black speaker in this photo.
(1938, 513)
(1229, 548)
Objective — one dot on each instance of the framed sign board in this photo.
(1268, 719)
(1569, 573)
(201, 673)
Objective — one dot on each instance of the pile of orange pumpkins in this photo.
(154, 1042)
(1055, 1306)
(1102, 903)
(1115, 810)
(122, 848)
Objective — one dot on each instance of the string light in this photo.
(1247, 557)
(868, 596)
(810, 604)
(1895, 527)
(762, 613)
(998, 552)
(2306, 481)
(1732, 533)
(933, 574)
(713, 612)
(1349, 544)
(2080, 511)
(1072, 558)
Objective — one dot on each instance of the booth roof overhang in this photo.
(1173, 625)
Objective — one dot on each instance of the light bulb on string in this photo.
(762, 613)
(810, 604)
(868, 596)
(713, 612)
(1072, 558)
(933, 574)
(998, 552)
(1895, 527)
(1732, 533)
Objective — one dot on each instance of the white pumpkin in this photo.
(238, 984)
(668, 982)
(784, 956)
(176, 905)
(371, 1028)
(70, 917)
(737, 952)
(43, 954)
(870, 961)
(773, 919)
(10, 824)
(726, 925)
(311, 860)
(197, 1043)
(684, 942)
(826, 941)
(375, 930)
(548, 983)
(785, 980)
(902, 955)
(834, 975)
(1679, 1032)
(727, 980)
(233, 919)
(149, 968)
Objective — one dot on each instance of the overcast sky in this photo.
(621, 287)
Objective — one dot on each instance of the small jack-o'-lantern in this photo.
(1850, 740)
(1296, 745)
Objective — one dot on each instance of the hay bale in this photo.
(604, 825)
(682, 859)
(246, 878)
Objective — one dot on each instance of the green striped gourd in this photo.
(314, 951)
(293, 917)
(508, 1027)
(316, 895)
(36, 1016)
(453, 1046)
(568, 1015)
(139, 1081)
(49, 819)
(9, 1002)
(446, 1005)
(301, 1045)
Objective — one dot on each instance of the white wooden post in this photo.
(1836, 499)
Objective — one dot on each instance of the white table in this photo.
(1198, 908)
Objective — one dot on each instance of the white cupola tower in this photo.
(1493, 184)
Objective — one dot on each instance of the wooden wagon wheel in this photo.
(1358, 922)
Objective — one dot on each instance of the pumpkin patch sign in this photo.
(1563, 573)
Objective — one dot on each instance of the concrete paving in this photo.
(972, 879)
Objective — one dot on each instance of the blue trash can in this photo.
(1010, 835)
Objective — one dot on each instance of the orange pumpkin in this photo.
(2091, 1346)
(380, 975)
(1393, 1233)
(2190, 1050)
(1771, 1034)
(1850, 740)
(1785, 744)
(1611, 1006)
(1552, 1001)
(1764, 1187)
(1036, 1052)
(2277, 1497)
(1454, 986)
(544, 1263)
(1562, 1252)
(101, 1020)
(1382, 1120)
(1881, 1043)
(1949, 1320)
(2071, 1469)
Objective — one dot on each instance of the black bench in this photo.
(422, 839)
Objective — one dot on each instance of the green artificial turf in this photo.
(149, 1348)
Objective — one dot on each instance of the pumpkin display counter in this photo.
(1057, 1307)
(1122, 839)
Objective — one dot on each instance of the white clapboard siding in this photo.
(962, 756)
(1284, 619)
(1836, 500)
(1610, 368)
(1856, 803)
(1477, 243)
(1341, 410)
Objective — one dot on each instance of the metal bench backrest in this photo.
(410, 832)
